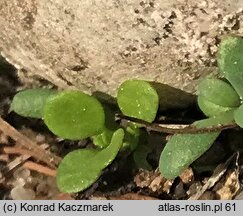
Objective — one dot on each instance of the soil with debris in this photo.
(215, 175)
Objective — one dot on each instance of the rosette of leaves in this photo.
(75, 115)
(220, 100)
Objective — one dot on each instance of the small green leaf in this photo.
(183, 149)
(218, 92)
(227, 118)
(74, 115)
(210, 109)
(239, 116)
(108, 154)
(30, 102)
(103, 140)
(137, 98)
(230, 61)
(131, 138)
(81, 168)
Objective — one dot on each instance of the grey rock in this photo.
(94, 45)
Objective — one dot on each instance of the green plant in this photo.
(81, 168)
(183, 149)
(76, 115)
(138, 98)
(219, 100)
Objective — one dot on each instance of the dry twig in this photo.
(36, 151)
(39, 168)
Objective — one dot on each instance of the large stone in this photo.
(94, 45)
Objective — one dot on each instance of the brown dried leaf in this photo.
(219, 171)
(152, 180)
(187, 176)
(229, 186)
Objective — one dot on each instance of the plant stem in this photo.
(174, 128)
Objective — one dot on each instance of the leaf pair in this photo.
(79, 169)
(68, 114)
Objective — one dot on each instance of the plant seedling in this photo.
(76, 115)
(217, 99)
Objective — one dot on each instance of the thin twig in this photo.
(16, 150)
(39, 154)
(39, 168)
(15, 163)
(19, 160)
(174, 128)
(4, 157)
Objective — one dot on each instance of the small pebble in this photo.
(19, 182)
(21, 193)
(21, 173)
(40, 138)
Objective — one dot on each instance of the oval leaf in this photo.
(210, 109)
(31, 102)
(183, 149)
(218, 92)
(137, 98)
(81, 168)
(74, 115)
(230, 61)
